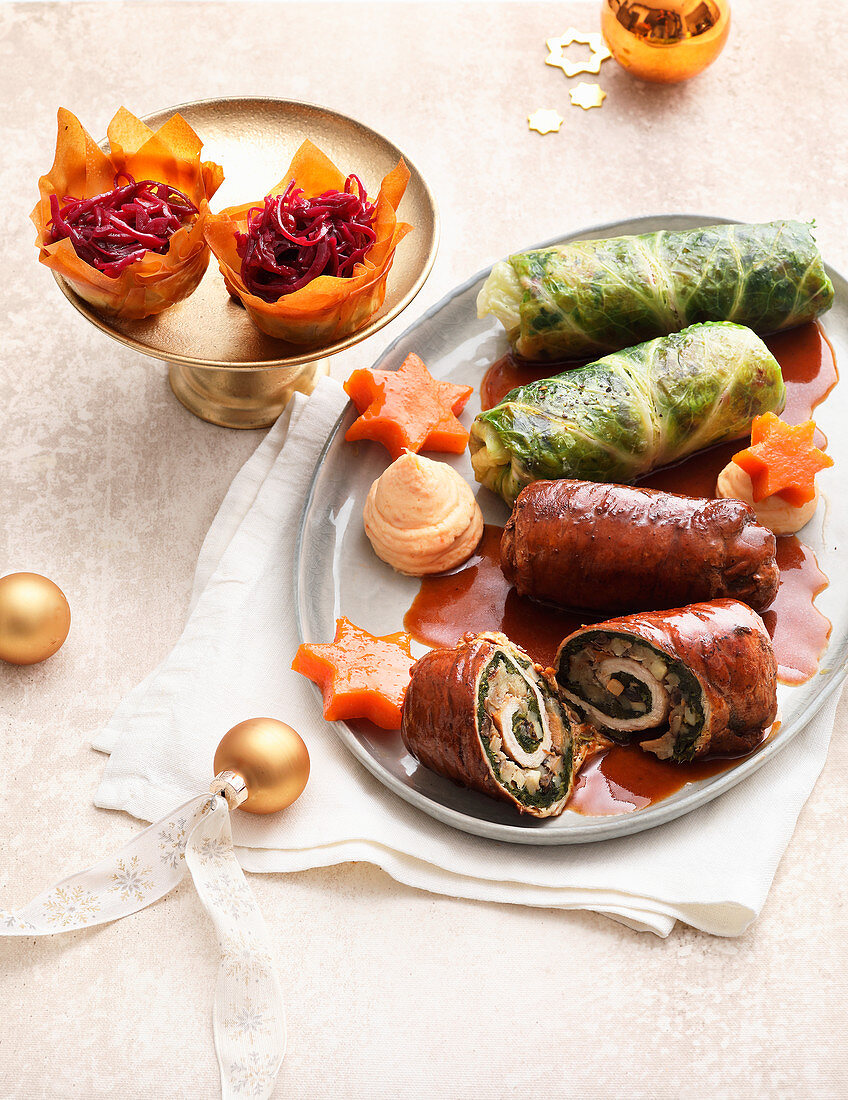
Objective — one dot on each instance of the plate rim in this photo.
(309, 356)
(596, 828)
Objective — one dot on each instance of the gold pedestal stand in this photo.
(242, 398)
(221, 367)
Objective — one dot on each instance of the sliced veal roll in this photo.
(702, 678)
(485, 716)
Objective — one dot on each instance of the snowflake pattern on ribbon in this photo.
(71, 907)
(132, 881)
(241, 952)
(213, 850)
(10, 921)
(249, 1020)
(229, 896)
(253, 1075)
(172, 842)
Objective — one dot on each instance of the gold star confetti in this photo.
(587, 95)
(595, 42)
(545, 122)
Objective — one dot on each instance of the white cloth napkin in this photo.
(711, 869)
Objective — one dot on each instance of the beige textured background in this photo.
(108, 486)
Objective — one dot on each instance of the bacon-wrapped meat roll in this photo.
(620, 548)
(484, 715)
(702, 678)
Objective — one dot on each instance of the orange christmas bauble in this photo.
(665, 41)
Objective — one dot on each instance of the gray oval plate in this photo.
(338, 573)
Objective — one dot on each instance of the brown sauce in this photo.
(477, 597)
(624, 778)
(510, 372)
(806, 358)
(799, 631)
(808, 364)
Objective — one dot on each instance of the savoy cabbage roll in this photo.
(589, 297)
(629, 413)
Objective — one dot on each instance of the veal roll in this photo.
(485, 716)
(621, 548)
(691, 681)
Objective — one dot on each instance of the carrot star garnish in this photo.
(360, 675)
(407, 409)
(782, 460)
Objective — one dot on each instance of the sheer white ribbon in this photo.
(248, 1018)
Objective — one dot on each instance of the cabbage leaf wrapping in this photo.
(630, 412)
(590, 297)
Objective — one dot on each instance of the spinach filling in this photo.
(541, 799)
(527, 730)
(634, 700)
(684, 745)
(683, 686)
(527, 733)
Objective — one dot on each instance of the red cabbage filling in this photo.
(113, 230)
(291, 240)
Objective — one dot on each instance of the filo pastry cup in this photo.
(81, 169)
(328, 308)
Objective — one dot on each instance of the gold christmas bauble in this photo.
(272, 760)
(665, 41)
(34, 618)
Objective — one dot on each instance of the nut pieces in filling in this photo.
(421, 516)
(703, 678)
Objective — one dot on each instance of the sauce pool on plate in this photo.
(799, 631)
(806, 358)
(478, 597)
(625, 778)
